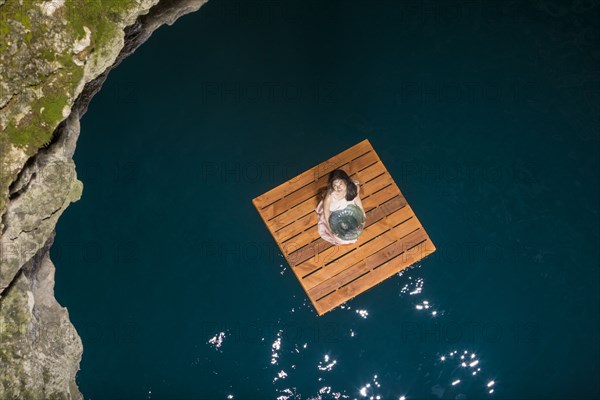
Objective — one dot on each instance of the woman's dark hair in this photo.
(351, 189)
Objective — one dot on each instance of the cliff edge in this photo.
(54, 57)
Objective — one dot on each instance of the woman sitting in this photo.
(341, 213)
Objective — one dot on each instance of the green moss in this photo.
(14, 318)
(99, 16)
(35, 129)
(48, 54)
(13, 11)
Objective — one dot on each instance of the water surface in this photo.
(485, 113)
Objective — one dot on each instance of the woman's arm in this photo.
(326, 211)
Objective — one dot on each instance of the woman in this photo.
(341, 213)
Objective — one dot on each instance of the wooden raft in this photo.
(393, 238)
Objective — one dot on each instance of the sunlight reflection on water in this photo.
(290, 356)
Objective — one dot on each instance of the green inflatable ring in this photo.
(347, 224)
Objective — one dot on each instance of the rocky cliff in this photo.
(54, 56)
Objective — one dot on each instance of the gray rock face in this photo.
(47, 186)
(40, 350)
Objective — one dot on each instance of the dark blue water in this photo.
(485, 113)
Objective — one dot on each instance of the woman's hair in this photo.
(351, 189)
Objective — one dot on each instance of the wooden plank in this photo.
(309, 192)
(330, 270)
(375, 251)
(371, 231)
(335, 266)
(306, 252)
(373, 278)
(376, 184)
(311, 175)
